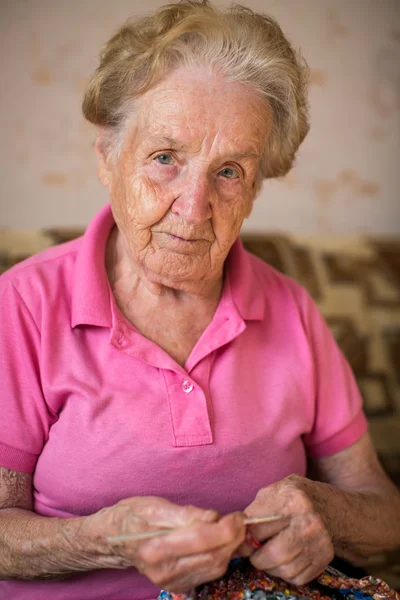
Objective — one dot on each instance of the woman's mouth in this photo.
(181, 239)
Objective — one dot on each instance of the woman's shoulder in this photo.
(39, 277)
(41, 262)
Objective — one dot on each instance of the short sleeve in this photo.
(339, 420)
(25, 418)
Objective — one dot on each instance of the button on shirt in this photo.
(99, 413)
(187, 386)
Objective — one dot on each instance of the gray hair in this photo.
(244, 46)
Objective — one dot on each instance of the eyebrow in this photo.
(249, 154)
(170, 142)
(174, 144)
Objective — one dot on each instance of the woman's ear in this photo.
(104, 164)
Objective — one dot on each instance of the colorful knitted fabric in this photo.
(243, 582)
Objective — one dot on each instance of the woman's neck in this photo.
(172, 318)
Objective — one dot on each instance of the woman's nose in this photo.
(193, 200)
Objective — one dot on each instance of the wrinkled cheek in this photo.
(137, 206)
(231, 218)
(146, 206)
(119, 205)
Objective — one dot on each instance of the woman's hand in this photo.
(199, 550)
(298, 547)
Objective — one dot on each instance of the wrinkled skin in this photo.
(185, 179)
(200, 548)
(298, 547)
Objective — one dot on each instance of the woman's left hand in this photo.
(298, 547)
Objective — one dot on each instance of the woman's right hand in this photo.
(197, 551)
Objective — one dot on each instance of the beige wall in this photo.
(348, 172)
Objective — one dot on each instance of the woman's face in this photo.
(186, 177)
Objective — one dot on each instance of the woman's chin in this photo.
(180, 272)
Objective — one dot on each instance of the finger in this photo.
(288, 570)
(252, 541)
(308, 574)
(301, 535)
(291, 551)
(265, 531)
(190, 514)
(159, 512)
(249, 545)
(244, 551)
(256, 534)
(188, 572)
(275, 554)
(268, 501)
(194, 539)
(179, 573)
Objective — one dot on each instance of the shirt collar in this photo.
(244, 285)
(91, 292)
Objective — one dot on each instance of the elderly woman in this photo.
(154, 374)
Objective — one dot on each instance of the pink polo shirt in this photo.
(99, 413)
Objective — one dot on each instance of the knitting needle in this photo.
(150, 534)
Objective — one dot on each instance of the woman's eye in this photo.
(229, 173)
(164, 159)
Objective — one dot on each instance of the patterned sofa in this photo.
(356, 284)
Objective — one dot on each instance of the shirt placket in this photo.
(187, 388)
(188, 406)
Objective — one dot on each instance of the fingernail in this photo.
(209, 516)
(238, 516)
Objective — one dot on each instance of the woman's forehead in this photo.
(191, 91)
(182, 110)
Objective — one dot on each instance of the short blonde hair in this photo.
(242, 45)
